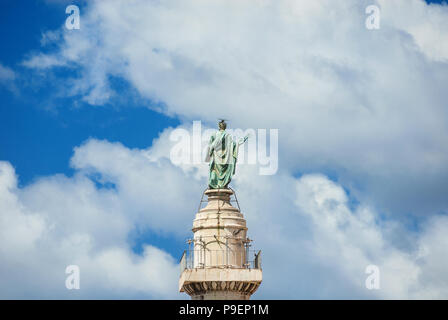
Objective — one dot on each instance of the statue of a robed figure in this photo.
(222, 154)
(220, 263)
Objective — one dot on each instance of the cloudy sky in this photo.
(86, 116)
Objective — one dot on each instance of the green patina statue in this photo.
(222, 154)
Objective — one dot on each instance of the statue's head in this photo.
(222, 125)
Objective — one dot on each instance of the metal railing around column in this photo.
(232, 201)
(203, 258)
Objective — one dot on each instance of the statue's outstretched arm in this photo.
(243, 140)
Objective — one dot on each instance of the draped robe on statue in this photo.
(222, 154)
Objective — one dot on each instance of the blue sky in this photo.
(39, 130)
(40, 125)
(47, 131)
(37, 124)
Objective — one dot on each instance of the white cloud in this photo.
(351, 240)
(43, 61)
(6, 74)
(19, 227)
(61, 221)
(368, 105)
(427, 24)
(7, 78)
(142, 184)
(315, 238)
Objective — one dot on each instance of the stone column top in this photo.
(219, 191)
